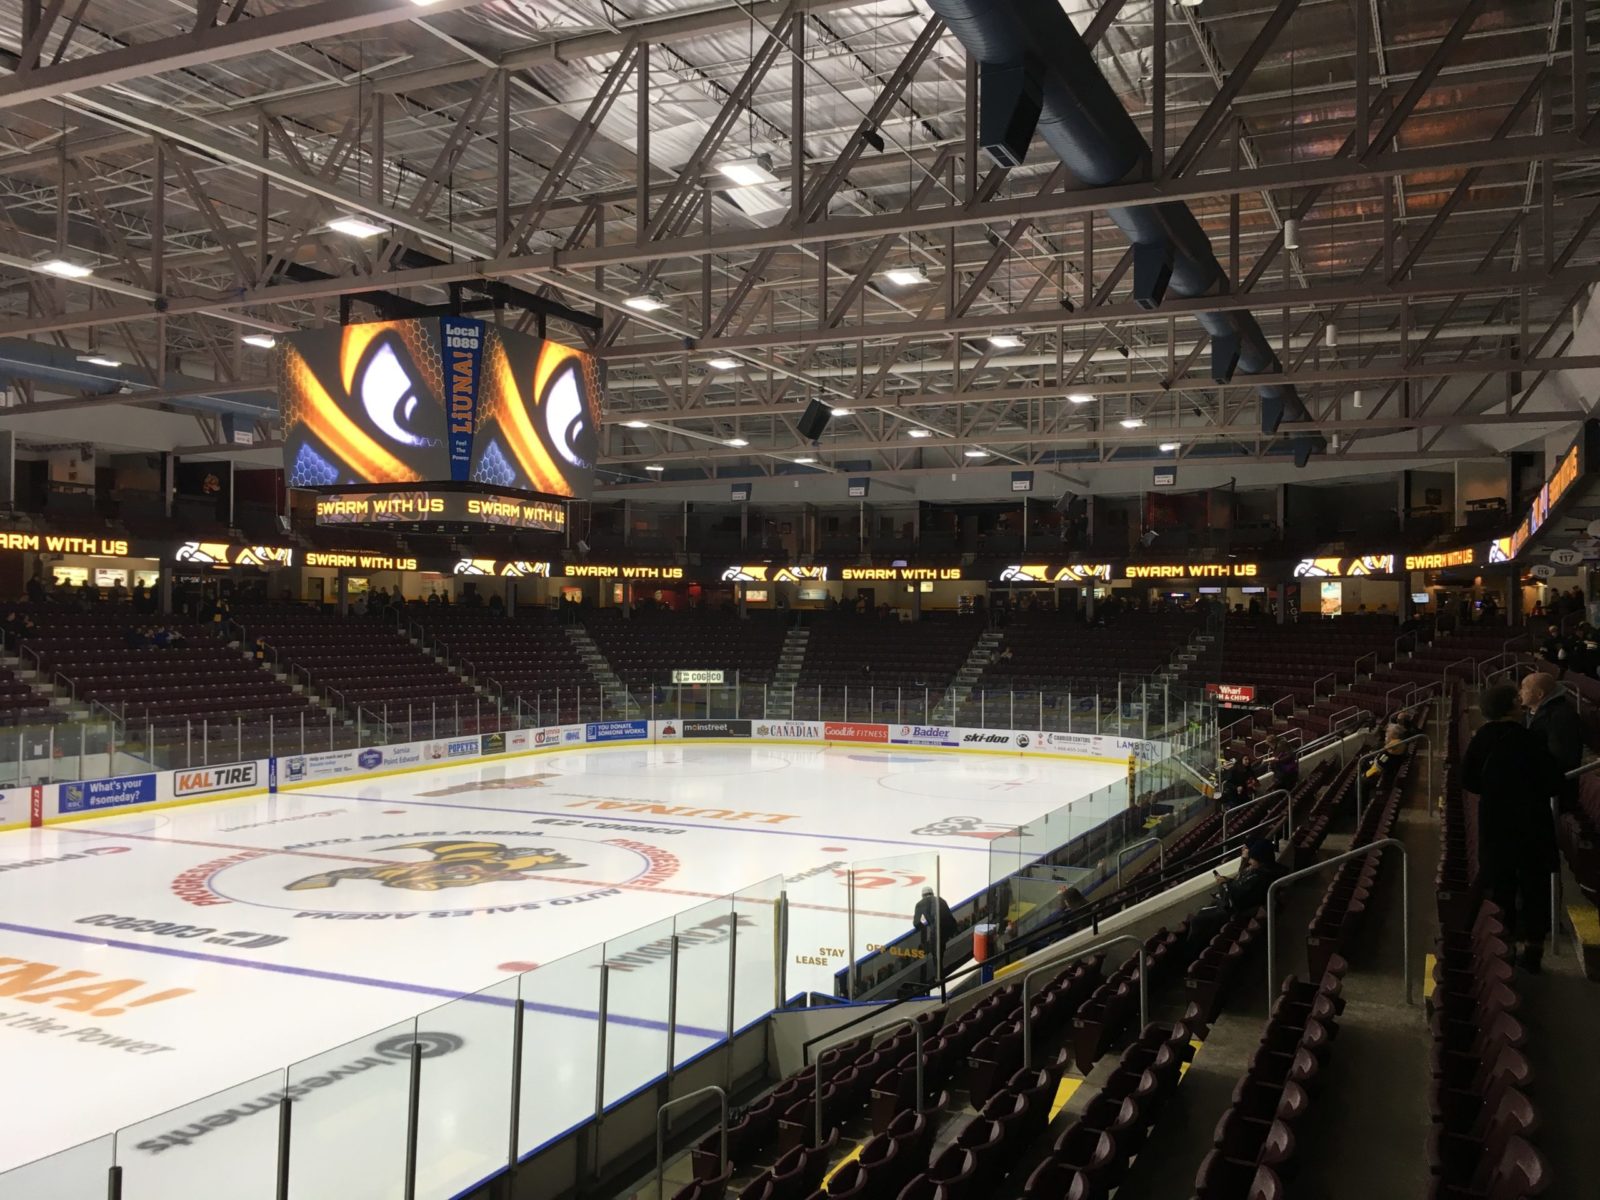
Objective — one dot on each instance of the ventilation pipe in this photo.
(60, 368)
(1036, 74)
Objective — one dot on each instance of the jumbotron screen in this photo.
(437, 400)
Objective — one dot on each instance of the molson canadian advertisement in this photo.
(437, 400)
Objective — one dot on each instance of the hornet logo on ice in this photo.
(454, 864)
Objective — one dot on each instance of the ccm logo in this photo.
(215, 779)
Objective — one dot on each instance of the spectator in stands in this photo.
(260, 651)
(161, 638)
(1246, 891)
(1554, 649)
(1005, 654)
(1583, 654)
(1553, 716)
(137, 638)
(496, 605)
(1511, 770)
(1070, 899)
(932, 919)
(1285, 762)
(36, 590)
(141, 596)
(1238, 778)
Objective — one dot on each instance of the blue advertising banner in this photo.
(461, 341)
(92, 794)
(616, 731)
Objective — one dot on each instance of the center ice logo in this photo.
(454, 865)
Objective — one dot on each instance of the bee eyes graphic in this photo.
(389, 397)
(567, 419)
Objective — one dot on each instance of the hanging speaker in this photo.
(1152, 271)
(814, 420)
(1010, 99)
(1224, 357)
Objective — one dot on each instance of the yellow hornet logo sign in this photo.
(454, 864)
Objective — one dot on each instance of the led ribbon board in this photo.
(441, 507)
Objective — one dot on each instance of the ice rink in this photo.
(150, 960)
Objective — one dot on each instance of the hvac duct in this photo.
(1032, 61)
(60, 368)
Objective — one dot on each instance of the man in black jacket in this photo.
(1553, 716)
(1514, 776)
(935, 924)
(1556, 648)
(1247, 890)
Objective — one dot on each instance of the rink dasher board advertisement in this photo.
(76, 800)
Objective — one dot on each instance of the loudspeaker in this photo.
(1224, 357)
(1303, 446)
(1271, 414)
(1010, 97)
(1152, 271)
(814, 420)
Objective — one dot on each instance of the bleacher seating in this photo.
(865, 651)
(1048, 652)
(1254, 1146)
(647, 646)
(367, 663)
(526, 655)
(202, 679)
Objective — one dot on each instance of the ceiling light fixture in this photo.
(1330, 335)
(654, 467)
(261, 341)
(357, 227)
(1132, 423)
(805, 462)
(749, 172)
(99, 360)
(1169, 447)
(844, 412)
(906, 276)
(722, 364)
(1080, 398)
(1004, 341)
(64, 268)
(737, 443)
(637, 424)
(919, 433)
(646, 303)
(975, 453)
(1355, 401)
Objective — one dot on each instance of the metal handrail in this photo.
(661, 1133)
(1356, 667)
(1144, 987)
(1445, 674)
(1361, 779)
(1495, 661)
(916, 1033)
(1508, 669)
(1252, 800)
(1584, 768)
(1161, 855)
(1317, 684)
(1405, 909)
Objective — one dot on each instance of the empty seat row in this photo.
(1254, 1147)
